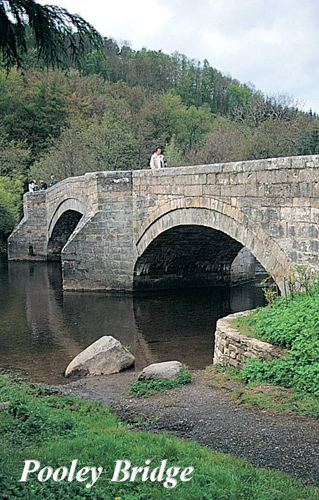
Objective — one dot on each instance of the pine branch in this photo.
(59, 35)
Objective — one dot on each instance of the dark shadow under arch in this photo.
(192, 256)
(62, 231)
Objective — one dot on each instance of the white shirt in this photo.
(157, 161)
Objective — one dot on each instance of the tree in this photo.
(173, 154)
(59, 35)
(106, 143)
(274, 138)
(35, 106)
(223, 143)
(10, 204)
(192, 124)
(14, 157)
(238, 97)
(70, 154)
(309, 144)
(113, 141)
(32, 108)
(161, 113)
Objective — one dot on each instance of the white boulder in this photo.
(105, 356)
(169, 370)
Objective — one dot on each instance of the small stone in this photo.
(167, 370)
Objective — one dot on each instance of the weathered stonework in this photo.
(234, 349)
(29, 240)
(243, 267)
(156, 228)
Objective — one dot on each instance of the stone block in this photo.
(210, 179)
(212, 190)
(193, 190)
(315, 189)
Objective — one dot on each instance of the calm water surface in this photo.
(42, 329)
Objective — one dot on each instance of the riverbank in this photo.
(202, 413)
(62, 431)
(290, 322)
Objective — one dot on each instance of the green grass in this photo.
(145, 388)
(261, 395)
(55, 430)
(292, 324)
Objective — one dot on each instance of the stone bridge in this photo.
(174, 227)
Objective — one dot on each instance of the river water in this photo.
(42, 329)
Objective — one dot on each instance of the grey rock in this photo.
(105, 356)
(167, 370)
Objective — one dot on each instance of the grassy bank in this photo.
(291, 323)
(260, 395)
(56, 430)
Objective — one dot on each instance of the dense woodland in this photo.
(110, 111)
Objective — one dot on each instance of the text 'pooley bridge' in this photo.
(178, 226)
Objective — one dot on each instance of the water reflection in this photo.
(42, 329)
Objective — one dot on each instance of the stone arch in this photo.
(69, 204)
(219, 216)
(63, 223)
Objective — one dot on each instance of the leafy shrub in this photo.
(294, 325)
(149, 387)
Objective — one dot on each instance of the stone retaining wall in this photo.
(234, 349)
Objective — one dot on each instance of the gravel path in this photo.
(199, 412)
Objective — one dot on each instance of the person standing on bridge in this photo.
(53, 180)
(32, 186)
(157, 160)
(43, 185)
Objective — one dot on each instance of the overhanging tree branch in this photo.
(59, 36)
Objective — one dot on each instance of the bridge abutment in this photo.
(100, 253)
(29, 240)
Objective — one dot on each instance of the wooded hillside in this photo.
(113, 109)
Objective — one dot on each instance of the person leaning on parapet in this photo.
(43, 185)
(157, 160)
(32, 186)
(53, 180)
